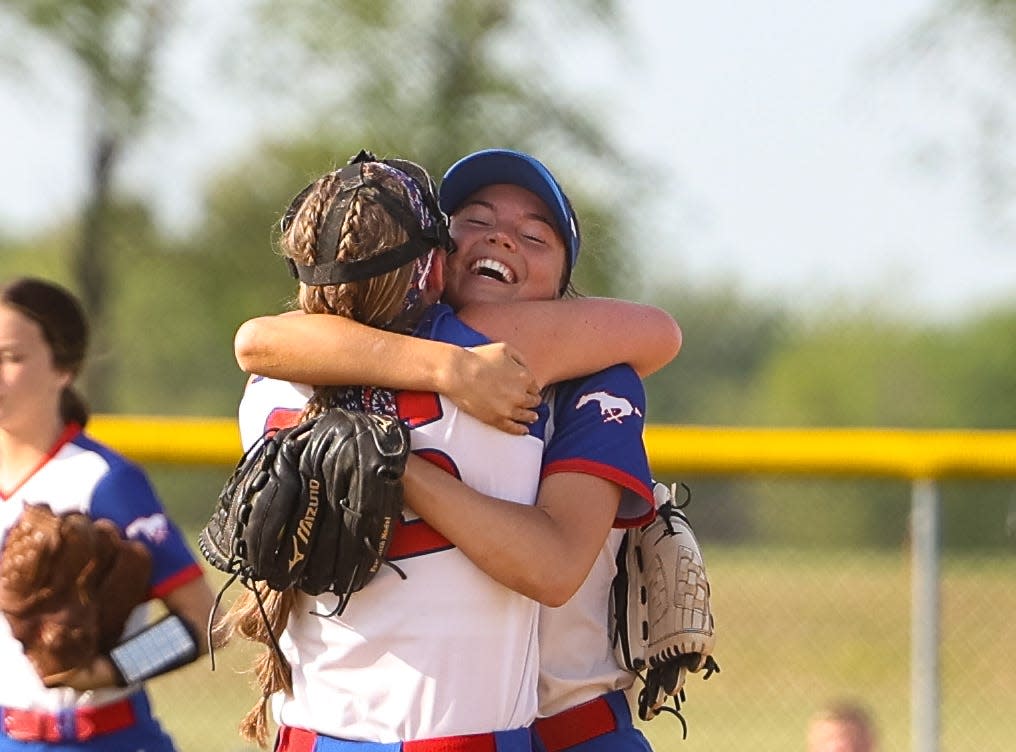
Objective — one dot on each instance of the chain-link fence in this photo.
(812, 577)
(810, 607)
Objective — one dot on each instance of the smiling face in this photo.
(30, 385)
(508, 249)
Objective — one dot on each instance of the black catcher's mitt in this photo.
(313, 506)
(660, 612)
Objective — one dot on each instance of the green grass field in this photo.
(795, 628)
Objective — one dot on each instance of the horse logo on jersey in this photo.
(155, 528)
(613, 409)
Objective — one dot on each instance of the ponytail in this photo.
(73, 408)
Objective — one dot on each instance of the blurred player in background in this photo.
(842, 726)
(46, 458)
(518, 241)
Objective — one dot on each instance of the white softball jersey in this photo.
(81, 475)
(446, 651)
(596, 428)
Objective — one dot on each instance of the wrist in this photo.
(161, 647)
(449, 369)
(105, 672)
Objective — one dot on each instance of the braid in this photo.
(304, 232)
(244, 618)
(351, 245)
(345, 299)
(368, 228)
(369, 224)
(272, 673)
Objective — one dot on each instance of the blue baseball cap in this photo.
(491, 166)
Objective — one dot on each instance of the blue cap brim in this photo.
(492, 166)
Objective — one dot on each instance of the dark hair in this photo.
(64, 327)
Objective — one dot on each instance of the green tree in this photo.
(979, 87)
(729, 340)
(113, 44)
(1001, 13)
(979, 363)
(430, 81)
(856, 372)
(434, 81)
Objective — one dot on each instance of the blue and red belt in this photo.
(587, 721)
(70, 725)
(292, 739)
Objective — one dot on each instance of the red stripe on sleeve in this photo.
(179, 579)
(614, 475)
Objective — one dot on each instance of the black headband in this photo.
(351, 180)
(338, 272)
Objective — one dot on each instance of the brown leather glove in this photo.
(67, 585)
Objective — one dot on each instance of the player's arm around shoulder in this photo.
(564, 339)
(490, 382)
(328, 349)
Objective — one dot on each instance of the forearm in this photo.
(564, 339)
(193, 603)
(323, 349)
(532, 550)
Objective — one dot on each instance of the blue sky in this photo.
(814, 160)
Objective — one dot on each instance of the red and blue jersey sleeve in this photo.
(125, 496)
(598, 423)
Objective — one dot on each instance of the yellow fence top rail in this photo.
(701, 450)
(186, 441)
(902, 453)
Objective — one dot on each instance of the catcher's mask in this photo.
(422, 219)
